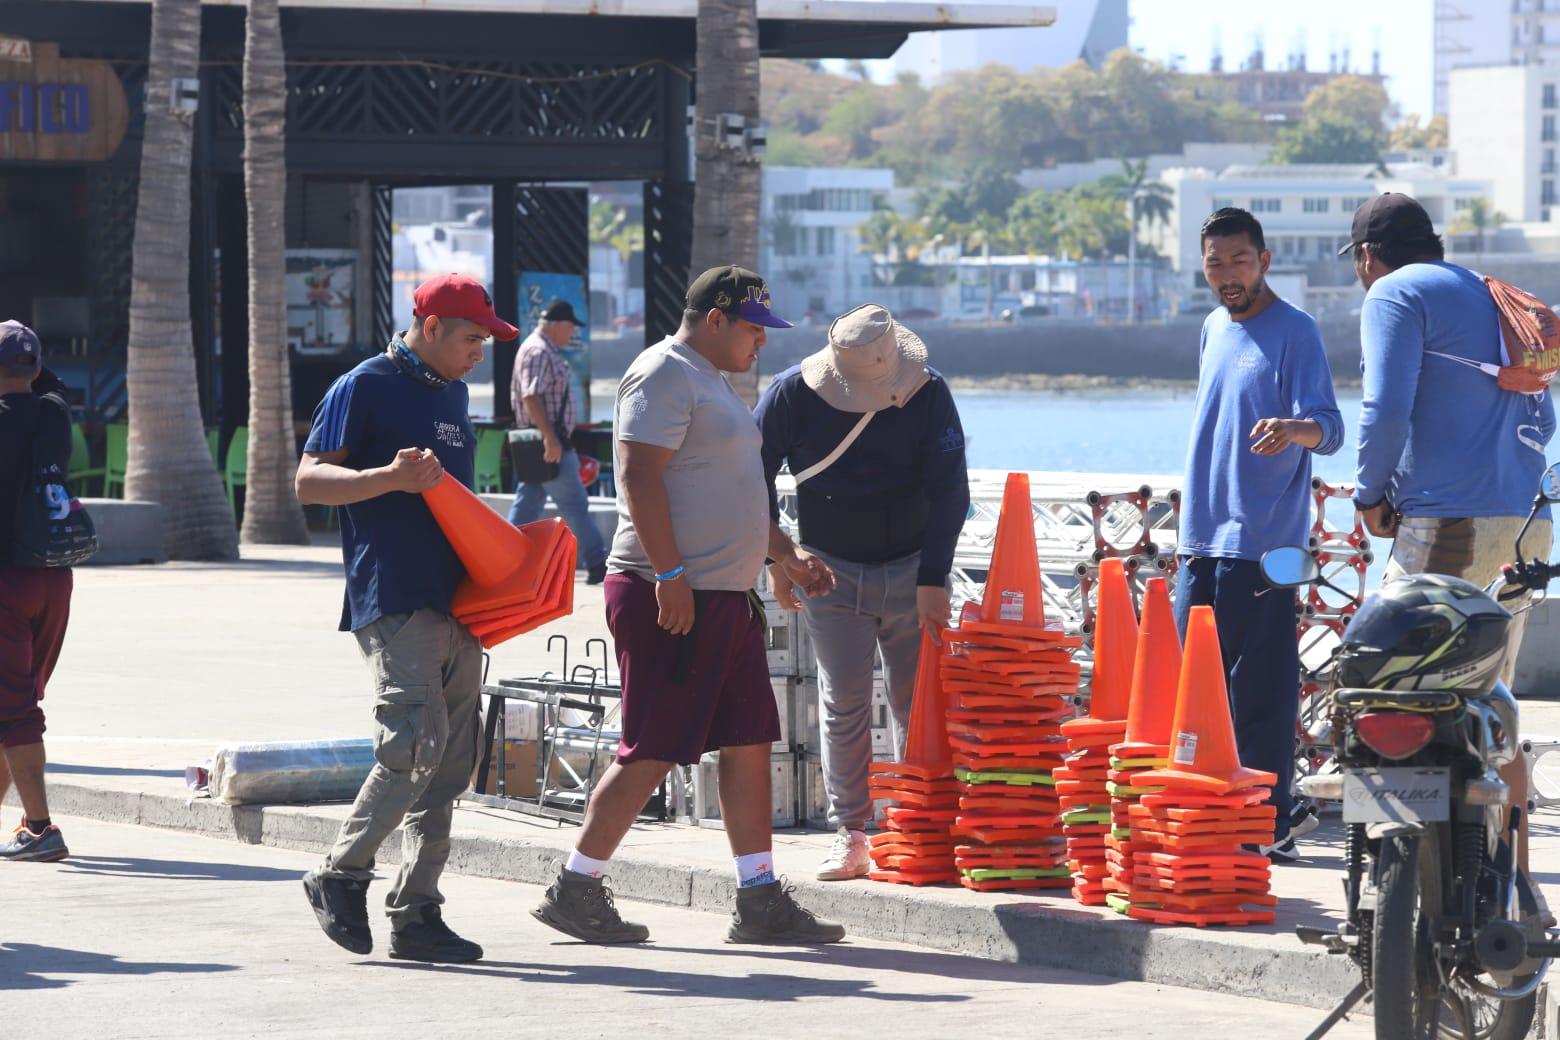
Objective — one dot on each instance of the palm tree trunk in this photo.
(271, 510)
(169, 460)
(728, 184)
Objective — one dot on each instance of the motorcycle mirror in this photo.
(1289, 566)
(1549, 488)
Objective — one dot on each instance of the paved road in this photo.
(168, 935)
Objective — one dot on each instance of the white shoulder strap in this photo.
(839, 449)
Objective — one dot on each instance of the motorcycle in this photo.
(1449, 935)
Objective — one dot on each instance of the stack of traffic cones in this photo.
(1209, 810)
(1082, 782)
(1156, 672)
(1009, 676)
(916, 846)
(516, 579)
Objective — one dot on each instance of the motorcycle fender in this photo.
(1381, 831)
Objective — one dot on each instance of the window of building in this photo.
(1549, 95)
(1353, 203)
(1546, 192)
(1223, 203)
(1462, 203)
(1549, 128)
(1315, 205)
(825, 241)
(1267, 205)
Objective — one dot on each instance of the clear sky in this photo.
(1402, 30)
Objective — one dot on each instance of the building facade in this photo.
(1305, 212)
(1504, 126)
(809, 236)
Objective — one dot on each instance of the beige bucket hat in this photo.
(872, 362)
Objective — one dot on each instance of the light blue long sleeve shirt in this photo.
(1236, 504)
(1438, 438)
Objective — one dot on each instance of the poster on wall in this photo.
(320, 299)
(537, 290)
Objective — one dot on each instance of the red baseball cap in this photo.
(460, 296)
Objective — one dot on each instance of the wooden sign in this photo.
(55, 109)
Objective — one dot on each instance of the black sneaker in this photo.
(1281, 851)
(596, 575)
(770, 914)
(341, 905)
(582, 906)
(27, 847)
(430, 939)
(1302, 820)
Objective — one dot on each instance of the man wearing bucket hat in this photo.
(874, 440)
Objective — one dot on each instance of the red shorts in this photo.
(34, 609)
(686, 695)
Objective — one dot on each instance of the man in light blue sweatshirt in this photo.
(1264, 404)
(1449, 462)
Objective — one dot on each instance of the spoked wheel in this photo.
(1407, 989)
(1470, 1015)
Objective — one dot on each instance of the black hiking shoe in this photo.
(341, 906)
(582, 906)
(27, 847)
(430, 939)
(770, 914)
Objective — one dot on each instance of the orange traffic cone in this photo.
(543, 538)
(1012, 603)
(555, 601)
(1156, 672)
(926, 742)
(1203, 753)
(490, 547)
(1115, 645)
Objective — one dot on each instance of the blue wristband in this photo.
(673, 574)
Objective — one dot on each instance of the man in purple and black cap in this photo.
(693, 533)
(34, 602)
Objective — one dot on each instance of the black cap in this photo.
(1390, 217)
(20, 350)
(561, 310)
(738, 292)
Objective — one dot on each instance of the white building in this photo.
(809, 248)
(1045, 287)
(1306, 211)
(1084, 29)
(1503, 128)
(1470, 33)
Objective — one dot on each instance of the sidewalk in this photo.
(163, 664)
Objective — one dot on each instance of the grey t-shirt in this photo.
(672, 397)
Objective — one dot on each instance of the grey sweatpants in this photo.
(870, 612)
(427, 671)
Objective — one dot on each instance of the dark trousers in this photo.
(34, 609)
(1256, 624)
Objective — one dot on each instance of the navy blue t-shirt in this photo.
(396, 558)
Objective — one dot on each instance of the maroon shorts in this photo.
(34, 609)
(685, 695)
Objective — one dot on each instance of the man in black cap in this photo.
(1448, 461)
(693, 532)
(34, 602)
(540, 392)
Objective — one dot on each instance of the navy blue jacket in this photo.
(914, 449)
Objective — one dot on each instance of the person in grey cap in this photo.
(874, 441)
(34, 602)
(540, 393)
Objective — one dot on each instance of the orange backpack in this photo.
(1530, 339)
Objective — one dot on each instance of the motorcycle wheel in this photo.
(1492, 1019)
(1406, 985)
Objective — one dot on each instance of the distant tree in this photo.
(1326, 139)
(1410, 136)
(1479, 217)
(1152, 198)
(1352, 99)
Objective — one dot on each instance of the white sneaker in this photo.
(847, 858)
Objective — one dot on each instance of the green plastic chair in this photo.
(81, 468)
(117, 460)
(490, 455)
(236, 473)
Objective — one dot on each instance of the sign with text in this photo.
(55, 109)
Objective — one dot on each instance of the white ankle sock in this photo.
(583, 864)
(755, 869)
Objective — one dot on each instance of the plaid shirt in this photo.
(541, 371)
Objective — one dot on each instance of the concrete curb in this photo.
(1018, 932)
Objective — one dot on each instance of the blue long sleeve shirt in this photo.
(1438, 438)
(1236, 504)
(916, 449)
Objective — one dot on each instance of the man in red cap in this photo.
(386, 431)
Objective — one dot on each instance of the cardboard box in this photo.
(520, 768)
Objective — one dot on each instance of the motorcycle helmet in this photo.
(1425, 632)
